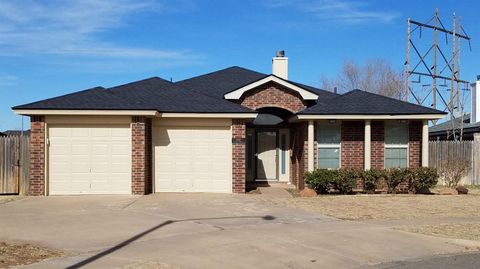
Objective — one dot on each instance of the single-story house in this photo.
(16, 132)
(216, 132)
(444, 130)
(467, 126)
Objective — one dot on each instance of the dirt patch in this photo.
(468, 231)
(150, 265)
(15, 254)
(362, 207)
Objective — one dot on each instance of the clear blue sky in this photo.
(49, 48)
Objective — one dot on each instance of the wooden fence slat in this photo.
(440, 151)
(14, 164)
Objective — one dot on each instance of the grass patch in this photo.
(15, 254)
(468, 231)
(385, 206)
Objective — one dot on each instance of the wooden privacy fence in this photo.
(14, 164)
(440, 151)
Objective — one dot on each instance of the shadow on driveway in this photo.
(142, 234)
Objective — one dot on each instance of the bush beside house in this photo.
(393, 180)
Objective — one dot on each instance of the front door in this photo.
(266, 155)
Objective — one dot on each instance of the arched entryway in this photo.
(268, 145)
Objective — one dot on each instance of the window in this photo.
(396, 145)
(328, 139)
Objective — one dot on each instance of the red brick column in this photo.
(299, 135)
(415, 143)
(238, 156)
(353, 133)
(37, 156)
(141, 155)
(378, 144)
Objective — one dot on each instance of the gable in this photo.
(273, 95)
(238, 93)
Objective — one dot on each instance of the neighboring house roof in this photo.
(445, 126)
(149, 94)
(15, 132)
(359, 102)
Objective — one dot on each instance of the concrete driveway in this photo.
(203, 231)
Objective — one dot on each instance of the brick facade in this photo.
(415, 143)
(141, 155)
(238, 156)
(353, 140)
(273, 95)
(377, 152)
(37, 156)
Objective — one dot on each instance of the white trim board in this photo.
(367, 117)
(209, 115)
(237, 94)
(85, 112)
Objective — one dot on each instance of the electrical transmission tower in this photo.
(433, 70)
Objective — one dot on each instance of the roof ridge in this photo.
(137, 81)
(218, 71)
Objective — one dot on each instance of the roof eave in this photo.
(366, 117)
(85, 112)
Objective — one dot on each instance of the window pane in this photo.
(396, 134)
(328, 134)
(395, 157)
(328, 158)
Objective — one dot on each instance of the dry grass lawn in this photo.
(468, 231)
(386, 207)
(13, 254)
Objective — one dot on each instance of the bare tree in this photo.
(377, 76)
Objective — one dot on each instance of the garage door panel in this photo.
(89, 159)
(186, 159)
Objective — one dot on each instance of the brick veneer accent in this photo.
(238, 156)
(37, 156)
(378, 145)
(353, 133)
(141, 155)
(273, 95)
(415, 143)
(299, 134)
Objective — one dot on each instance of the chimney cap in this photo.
(280, 53)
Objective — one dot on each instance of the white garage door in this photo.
(89, 159)
(193, 159)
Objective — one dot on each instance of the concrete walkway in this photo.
(203, 231)
(274, 192)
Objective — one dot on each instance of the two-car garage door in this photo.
(96, 158)
(89, 159)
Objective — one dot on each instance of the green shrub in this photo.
(347, 179)
(421, 179)
(372, 179)
(321, 180)
(395, 176)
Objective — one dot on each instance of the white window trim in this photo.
(397, 146)
(332, 145)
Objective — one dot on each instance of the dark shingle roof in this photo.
(359, 102)
(218, 83)
(221, 82)
(446, 126)
(149, 94)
